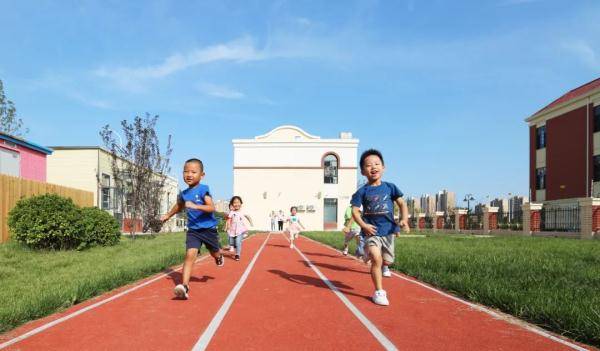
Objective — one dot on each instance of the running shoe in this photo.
(181, 291)
(345, 252)
(292, 245)
(385, 271)
(237, 257)
(380, 298)
(219, 261)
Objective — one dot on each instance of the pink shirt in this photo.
(237, 225)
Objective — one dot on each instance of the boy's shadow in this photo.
(177, 277)
(314, 281)
(278, 245)
(321, 254)
(333, 267)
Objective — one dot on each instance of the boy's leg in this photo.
(188, 264)
(387, 254)
(360, 246)
(376, 260)
(231, 243)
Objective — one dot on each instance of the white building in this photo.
(289, 167)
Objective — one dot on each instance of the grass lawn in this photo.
(35, 284)
(554, 283)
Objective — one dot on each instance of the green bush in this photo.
(54, 222)
(45, 222)
(97, 227)
(220, 216)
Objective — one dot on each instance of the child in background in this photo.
(202, 224)
(352, 232)
(294, 225)
(237, 227)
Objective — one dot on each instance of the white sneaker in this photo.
(345, 252)
(385, 271)
(291, 245)
(380, 298)
(181, 291)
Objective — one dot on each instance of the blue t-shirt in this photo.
(198, 219)
(378, 206)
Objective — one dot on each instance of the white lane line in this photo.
(505, 317)
(90, 307)
(210, 331)
(383, 340)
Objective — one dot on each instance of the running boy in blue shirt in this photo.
(377, 222)
(202, 224)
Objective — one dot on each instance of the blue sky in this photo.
(441, 87)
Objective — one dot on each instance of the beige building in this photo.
(289, 167)
(90, 168)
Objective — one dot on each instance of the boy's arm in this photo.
(404, 211)
(175, 209)
(207, 207)
(367, 228)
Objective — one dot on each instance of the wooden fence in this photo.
(13, 189)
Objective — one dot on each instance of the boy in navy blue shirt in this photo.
(377, 222)
(202, 224)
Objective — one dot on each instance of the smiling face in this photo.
(192, 173)
(236, 204)
(373, 169)
(294, 211)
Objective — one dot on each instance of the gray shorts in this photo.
(385, 244)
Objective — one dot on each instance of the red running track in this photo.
(277, 298)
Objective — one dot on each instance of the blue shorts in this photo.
(207, 236)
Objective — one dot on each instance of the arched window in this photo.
(330, 169)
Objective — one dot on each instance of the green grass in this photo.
(35, 284)
(554, 283)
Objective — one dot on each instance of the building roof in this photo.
(573, 94)
(24, 143)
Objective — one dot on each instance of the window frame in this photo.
(540, 185)
(540, 133)
(331, 173)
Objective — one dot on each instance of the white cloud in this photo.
(240, 50)
(584, 51)
(221, 92)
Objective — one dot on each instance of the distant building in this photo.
(289, 167)
(502, 205)
(445, 200)
(90, 168)
(414, 205)
(428, 204)
(222, 206)
(21, 158)
(515, 203)
(564, 146)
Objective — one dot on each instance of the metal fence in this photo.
(428, 222)
(474, 221)
(560, 219)
(510, 220)
(449, 221)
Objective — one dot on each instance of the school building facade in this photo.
(90, 168)
(290, 167)
(564, 146)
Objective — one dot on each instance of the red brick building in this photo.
(564, 146)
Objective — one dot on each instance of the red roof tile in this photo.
(577, 92)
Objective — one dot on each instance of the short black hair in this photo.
(293, 207)
(370, 152)
(235, 197)
(195, 160)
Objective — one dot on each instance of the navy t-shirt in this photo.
(378, 206)
(198, 219)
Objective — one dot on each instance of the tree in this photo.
(9, 123)
(139, 169)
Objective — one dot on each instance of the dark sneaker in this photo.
(219, 261)
(181, 291)
(237, 257)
